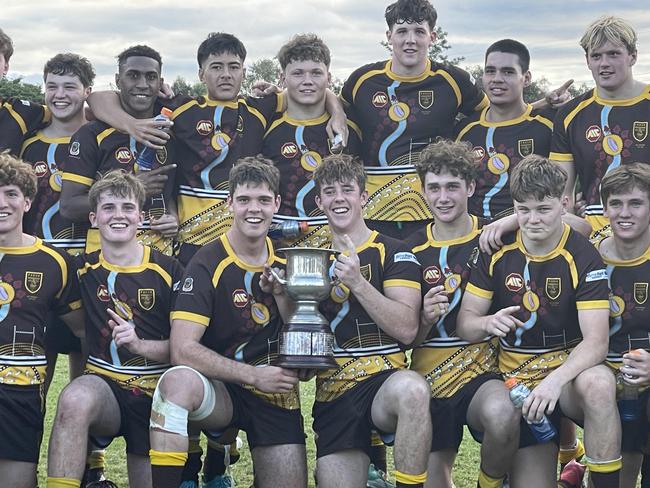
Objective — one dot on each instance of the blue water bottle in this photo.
(147, 156)
(542, 430)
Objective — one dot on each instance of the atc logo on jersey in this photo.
(240, 298)
(123, 155)
(431, 275)
(102, 294)
(204, 127)
(593, 133)
(479, 153)
(514, 282)
(289, 150)
(380, 99)
(41, 169)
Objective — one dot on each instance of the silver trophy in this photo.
(306, 339)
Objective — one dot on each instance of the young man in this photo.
(225, 330)
(625, 193)
(127, 290)
(98, 148)
(37, 280)
(401, 105)
(506, 131)
(465, 386)
(372, 312)
(549, 289)
(17, 117)
(607, 126)
(298, 141)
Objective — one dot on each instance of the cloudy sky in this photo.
(353, 30)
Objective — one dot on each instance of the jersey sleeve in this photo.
(401, 268)
(69, 296)
(195, 298)
(83, 157)
(481, 280)
(17, 119)
(268, 106)
(560, 142)
(592, 291)
(472, 97)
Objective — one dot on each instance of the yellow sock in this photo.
(160, 458)
(603, 466)
(375, 439)
(96, 459)
(486, 481)
(62, 483)
(404, 479)
(576, 453)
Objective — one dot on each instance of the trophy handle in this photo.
(280, 280)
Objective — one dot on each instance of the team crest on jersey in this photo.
(431, 275)
(33, 281)
(102, 294)
(41, 169)
(146, 298)
(640, 293)
(289, 150)
(240, 298)
(380, 99)
(640, 130)
(204, 127)
(479, 152)
(161, 155)
(366, 272)
(525, 147)
(425, 98)
(240, 124)
(123, 155)
(188, 284)
(553, 288)
(593, 133)
(74, 148)
(514, 282)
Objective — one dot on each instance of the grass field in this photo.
(465, 471)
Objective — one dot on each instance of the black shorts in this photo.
(396, 230)
(526, 436)
(346, 422)
(135, 410)
(635, 433)
(265, 424)
(59, 338)
(21, 422)
(449, 415)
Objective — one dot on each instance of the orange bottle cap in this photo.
(511, 383)
(166, 112)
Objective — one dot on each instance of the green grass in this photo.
(465, 471)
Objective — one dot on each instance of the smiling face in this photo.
(65, 96)
(223, 75)
(252, 207)
(611, 66)
(139, 82)
(117, 218)
(13, 205)
(503, 79)
(342, 203)
(447, 195)
(306, 82)
(540, 220)
(410, 44)
(629, 214)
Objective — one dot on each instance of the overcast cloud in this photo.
(353, 30)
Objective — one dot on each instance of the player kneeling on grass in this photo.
(625, 193)
(127, 291)
(465, 385)
(549, 287)
(225, 328)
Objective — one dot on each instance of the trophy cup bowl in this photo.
(306, 340)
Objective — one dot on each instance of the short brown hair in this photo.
(537, 177)
(119, 183)
(340, 168)
(304, 47)
(612, 29)
(456, 158)
(624, 179)
(255, 170)
(71, 64)
(14, 171)
(6, 46)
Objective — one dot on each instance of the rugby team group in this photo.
(482, 239)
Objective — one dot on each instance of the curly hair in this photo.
(537, 177)
(411, 11)
(71, 64)
(119, 183)
(255, 170)
(14, 171)
(456, 158)
(304, 47)
(339, 168)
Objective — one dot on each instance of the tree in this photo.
(182, 87)
(264, 69)
(437, 49)
(19, 89)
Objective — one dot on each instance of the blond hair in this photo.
(612, 29)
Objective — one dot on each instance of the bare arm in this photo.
(569, 190)
(74, 201)
(434, 305)
(185, 348)
(338, 123)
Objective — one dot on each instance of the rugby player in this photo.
(549, 287)
(127, 290)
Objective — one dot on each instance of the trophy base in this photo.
(305, 362)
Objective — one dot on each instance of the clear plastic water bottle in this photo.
(288, 229)
(148, 155)
(628, 397)
(542, 430)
